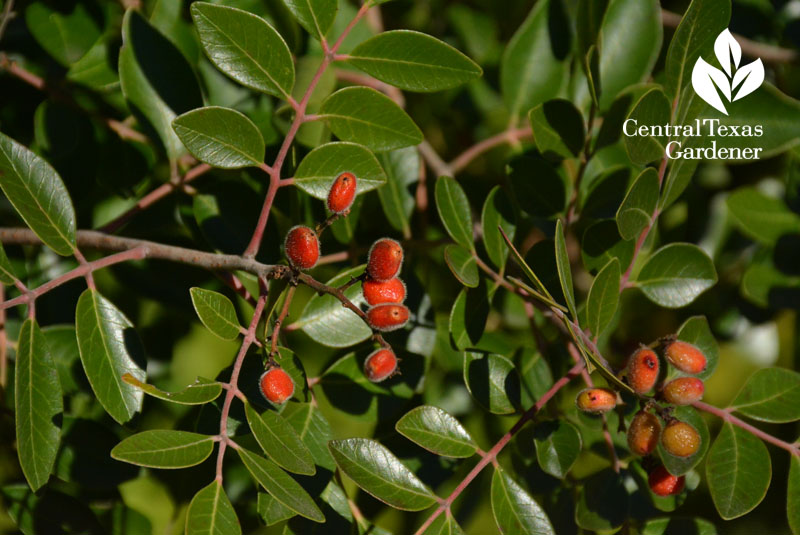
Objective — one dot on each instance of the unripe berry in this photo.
(380, 365)
(686, 357)
(385, 259)
(377, 292)
(643, 369)
(680, 439)
(342, 193)
(387, 317)
(596, 400)
(684, 390)
(665, 484)
(276, 385)
(643, 433)
(302, 247)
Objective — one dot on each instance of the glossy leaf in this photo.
(636, 211)
(497, 213)
(413, 61)
(216, 312)
(602, 503)
(681, 465)
(468, 315)
(738, 470)
(321, 166)
(454, 211)
(271, 510)
(402, 169)
(211, 513)
(279, 441)
(558, 128)
(38, 405)
(38, 194)
(444, 524)
(313, 429)
(365, 116)
(436, 430)
(245, 47)
(108, 351)
(221, 137)
(316, 16)
(162, 448)
(653, 108)
(762, 218)
(676, 274)
(678, 526)
(558, 445)
(514, 510)
(65, 34)
(535, 375)
(461, 262)
(602, 243)
(601, 304)
(770, 395)
(493, 381)
(564, 269)
(200, 392)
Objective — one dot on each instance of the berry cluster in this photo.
(642, 373)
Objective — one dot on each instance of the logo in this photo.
(733, 82)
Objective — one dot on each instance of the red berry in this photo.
(276, 385)
(380, 365)
(643, 369)
(385, 259)
(665, 484)
(377, 292)
(342, 193)
(596, 400)
(643, 433)
(387, 317)
(684, 390)
(686, 357)
(680, 439)
(302, 247)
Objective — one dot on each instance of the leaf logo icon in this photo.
(732, 82)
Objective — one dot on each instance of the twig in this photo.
(508, 136)
(276, 329)
(7, 16)
(433, 159)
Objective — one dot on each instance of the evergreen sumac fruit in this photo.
(596, 400)
(380, 292)
(686, 357)
(683, 390)
(387, 317)
(643, 433)
(385, 259)
(302, 247)
(342, 193)
(276, 385)
(680, 439)
(643, 368)
(380, 365)
(663, 483)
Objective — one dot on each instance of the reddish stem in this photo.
(276, 329)
(508, 136)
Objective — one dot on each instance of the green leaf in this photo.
(602, 502)
(221, 137)
(678, 177)
(156, 79)
(211, 513)
(565, 270)
(162, 448)
(497, 213)
(676, 274)
(653, 108)
(793, 494)
(38, 404)
(366, 116)
(216, 312)
(601, 304)
(413, 61)
(696, 331)
(537, 186)
(327, 322)
(38, 194)
(377, 471)
(444, 524)
(7, 275)
(468, 315)
(63, 33)
(762, 218)
(535, 375)
(245, 47)
(461, 262)
(402, 169)
(279, 441)
(271, 510)
(558, 444)
(493, 381)
(558, 128)
(514, 510)
(770, 395)
(313, 429)
(602, 243)
(316, 16)
(200, 392)
(673, 525)
(535, 64)
(454, 211)
(478, 30)
(436, 430)
(738, 470)
(108, 351)
(636, 211)
(280, 485)
(323, 165)
(681, 465)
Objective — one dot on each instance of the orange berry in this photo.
(276, 385)
(377, 292)
(643, 433)
(596, 400)
(385, 259)
(302, 247)
(380, 365)
(686, 357)
(680, 439)
(643, 369)
(387, 317)
(342, 193)
(665, 484)
(684, 390)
